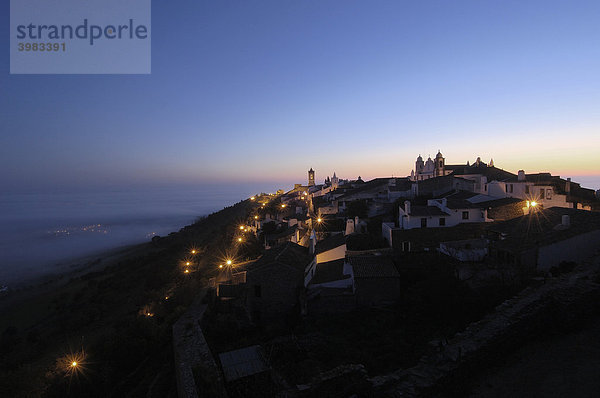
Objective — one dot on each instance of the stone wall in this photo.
(196, 372)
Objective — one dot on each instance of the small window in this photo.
(442, 221)
(465, 215)
(511, 188)
(542, 193)
(526, 189)
(485, 187)
(549, 193)
(423, 223)
(257, 291)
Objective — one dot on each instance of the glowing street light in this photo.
(220, 265)
(187, 271)
(252, 198)
(193, 251)
(187, 263)
(239, 239)
(319, 220)
(241, 227)
(229, 262)
(282, 205)
(256, 217)
(73, 364)
(533, 204)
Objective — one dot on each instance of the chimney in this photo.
(349, 226)
(521, 176)
(568, 185)
(407, 206)
(566, 221)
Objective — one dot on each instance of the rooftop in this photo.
(373, 266)
(424, 211)
(540, 228)
(401, 184)
(329, 271)
(289, 254)
(329, 243)
(471, 200)
(492, 173)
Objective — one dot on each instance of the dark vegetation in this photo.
(121, 316)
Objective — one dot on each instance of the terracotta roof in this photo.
(300, 217)
(426, 211)
(331, 242)
(373, 267)
(289, 253)
(472, 200)
(492, 173)
(329, 272)
(403, 184)
(441, 181)
(540, 228)
(288, 231)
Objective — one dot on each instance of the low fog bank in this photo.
(45, 233)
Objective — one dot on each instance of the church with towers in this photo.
(438, 168)
(430, 168)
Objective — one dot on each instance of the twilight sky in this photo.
(262, 90)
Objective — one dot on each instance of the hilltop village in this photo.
(373, 268)
(407, 287)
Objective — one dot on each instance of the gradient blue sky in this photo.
(259, 91)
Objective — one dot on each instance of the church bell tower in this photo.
(439, 165)
(311, 177)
